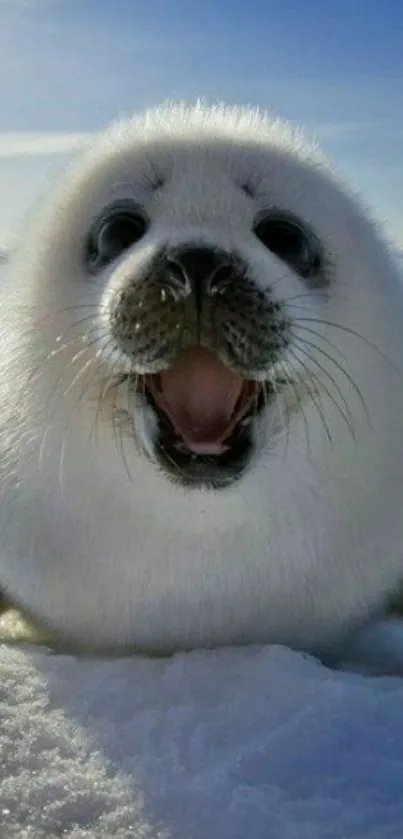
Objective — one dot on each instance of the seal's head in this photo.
(191, 240)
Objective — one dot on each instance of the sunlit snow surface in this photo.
(255, 743)
(258, 743)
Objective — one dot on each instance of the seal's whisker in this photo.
(284, 412)
(118, 415)
(121, 448)
(320, 384)
(173, 463)
(343, 371)
(312, 297)
(300, 408)
(302, 344)
(96, 363)
(313, 395)
(51, 316)
(88, 364)
(76, 357)
(324, 338)
(277, 281)
(62, 373)
(56, 351)
(73, 325)
(293, 378)
(349, 331)
(133, 385)
(117, 435)
(92, 364)
(101, 395)
(49, 357)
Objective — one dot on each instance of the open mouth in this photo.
(204, 413)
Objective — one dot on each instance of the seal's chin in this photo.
(205, 414)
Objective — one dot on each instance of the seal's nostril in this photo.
(198, 269)
(220, 279)
(176, 280)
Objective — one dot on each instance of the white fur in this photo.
(310, 541)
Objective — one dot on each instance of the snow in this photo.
(252, 743)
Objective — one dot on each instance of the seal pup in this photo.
(201, 395)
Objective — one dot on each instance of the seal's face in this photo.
(195, 253)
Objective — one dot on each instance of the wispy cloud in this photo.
(30, 4)
(24, 143)
(383, 129)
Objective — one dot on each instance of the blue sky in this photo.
(67, 67)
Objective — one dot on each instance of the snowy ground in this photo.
(259, 743)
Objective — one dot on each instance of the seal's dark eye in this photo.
(119, 227)
(292, 242)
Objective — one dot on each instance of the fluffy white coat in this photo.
(103, 549)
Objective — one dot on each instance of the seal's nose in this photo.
(199, 270)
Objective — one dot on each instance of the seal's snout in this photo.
(200, 270)
(198, 295)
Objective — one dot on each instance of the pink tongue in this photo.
(200, 394)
